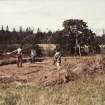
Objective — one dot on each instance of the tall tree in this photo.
(2, 28)
(7, 28)
(78, 34)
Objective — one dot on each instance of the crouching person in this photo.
(57, 58)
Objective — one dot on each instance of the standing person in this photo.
(18, 51)
(19, 57)
(57, 58)
(33, 55)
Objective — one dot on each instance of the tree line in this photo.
(75, 32)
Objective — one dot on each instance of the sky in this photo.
(50, 14)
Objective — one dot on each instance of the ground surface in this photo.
(48, 74)
(28, 73)
(18, 85)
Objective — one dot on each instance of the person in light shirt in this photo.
(57, 58)
(19, 57)
(18, 52)
(33, 55)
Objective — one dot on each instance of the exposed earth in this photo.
(45, 73)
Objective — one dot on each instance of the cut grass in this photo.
(82, 92)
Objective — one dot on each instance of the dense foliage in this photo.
(75, 32)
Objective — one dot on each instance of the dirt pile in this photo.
(90, 67)
(57, 77)
(86, 68)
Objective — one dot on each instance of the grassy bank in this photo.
(82, 92)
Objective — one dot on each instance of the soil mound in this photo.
(85, 68)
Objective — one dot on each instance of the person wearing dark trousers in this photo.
(19, 57)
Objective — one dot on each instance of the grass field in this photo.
(83, 92)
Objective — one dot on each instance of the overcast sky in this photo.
(51, 13)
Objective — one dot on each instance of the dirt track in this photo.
(48, 74)
(28, 73)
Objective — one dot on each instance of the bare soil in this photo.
(45, 73)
